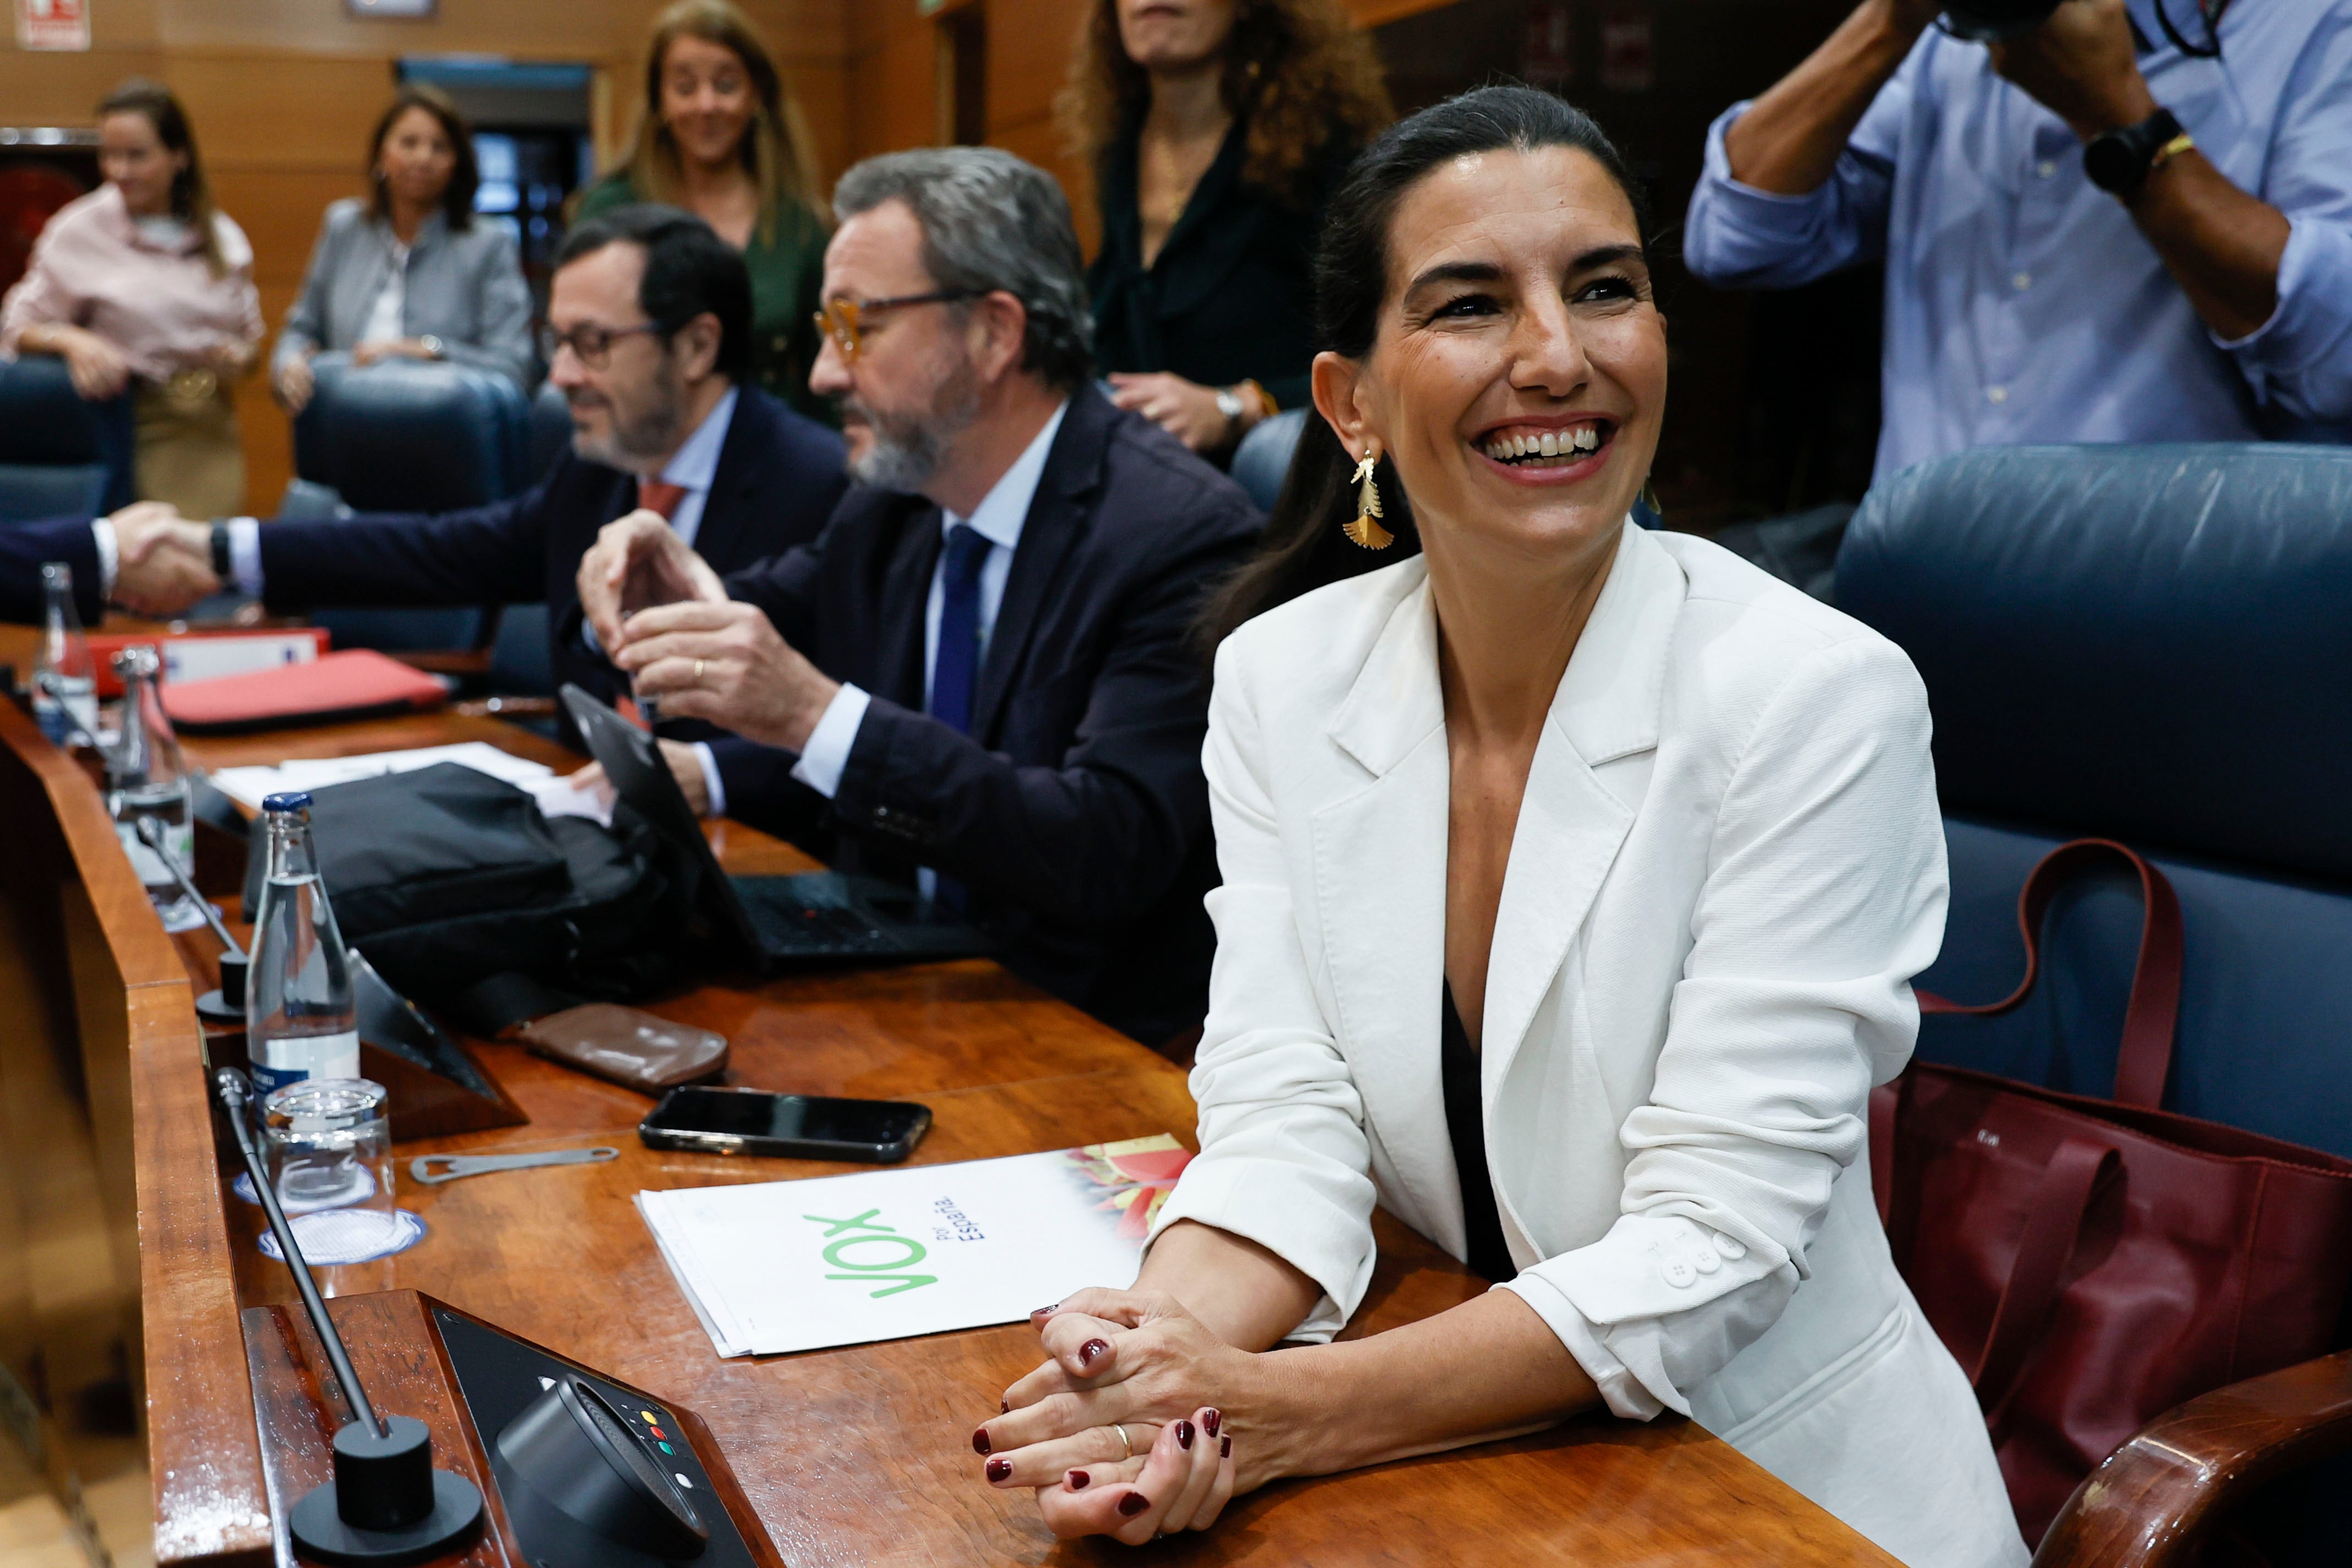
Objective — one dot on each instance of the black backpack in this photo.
(446, 878)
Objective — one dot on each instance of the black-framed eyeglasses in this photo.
(846, 320)
(589, 343)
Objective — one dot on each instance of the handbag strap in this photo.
(2062, 1200)
(2146, 1056)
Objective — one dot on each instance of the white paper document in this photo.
(886, 1255)
(250, 786)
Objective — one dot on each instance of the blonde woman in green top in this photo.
(718, 136)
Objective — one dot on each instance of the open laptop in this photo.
(817, 920)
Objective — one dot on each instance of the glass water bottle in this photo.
(299, 1020)
(146, 781)
(65, 680)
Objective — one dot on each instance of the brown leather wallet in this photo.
(633, 1049)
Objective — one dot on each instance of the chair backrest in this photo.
(401, 435)
(2152, 644)
(30, 492)
(44, 422)
(1262, 459)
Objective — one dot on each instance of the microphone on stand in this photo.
(387, 1503)
(226, 1004)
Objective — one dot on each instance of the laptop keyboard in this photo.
(787, 924)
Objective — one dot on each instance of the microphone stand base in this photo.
(321, 1536)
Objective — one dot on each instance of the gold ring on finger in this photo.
(697, 671)
(1128, 1448)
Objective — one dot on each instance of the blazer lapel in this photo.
(734, 493)
(1380, 890)
(1057, 517)
(1570, 826)
(906, 593)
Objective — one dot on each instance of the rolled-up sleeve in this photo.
(1284, 1158)
(1825, 894)
(1739, 237)
(2300, 361)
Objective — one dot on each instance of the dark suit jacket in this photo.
(778, 477)
(1076, 815)
(25, 547)
(1231, 293)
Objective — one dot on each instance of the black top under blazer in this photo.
(1231, 296)
(779, 475)
(1075, 814)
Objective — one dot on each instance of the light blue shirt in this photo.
(2022, 304)
(999, 518)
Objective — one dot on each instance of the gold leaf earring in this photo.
(1365, 531)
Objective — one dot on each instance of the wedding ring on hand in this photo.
(1129, 1447)
(697, 671)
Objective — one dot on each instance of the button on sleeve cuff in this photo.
(826, 755)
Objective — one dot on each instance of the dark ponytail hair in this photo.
(1303, 549)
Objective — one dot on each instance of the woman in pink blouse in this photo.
(142, 285)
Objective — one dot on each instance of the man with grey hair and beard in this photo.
(648, 338)
(978, 680)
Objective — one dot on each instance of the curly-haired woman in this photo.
(1215, 128)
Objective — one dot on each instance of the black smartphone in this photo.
(705, 1121)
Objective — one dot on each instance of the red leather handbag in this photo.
(2093, 1263)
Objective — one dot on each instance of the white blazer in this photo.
(1726, 869)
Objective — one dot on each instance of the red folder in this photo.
(357, 683)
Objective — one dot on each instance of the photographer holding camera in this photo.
(2105, 220)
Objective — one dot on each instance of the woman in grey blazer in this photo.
(410, 274)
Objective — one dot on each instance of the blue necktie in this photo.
(957, 664)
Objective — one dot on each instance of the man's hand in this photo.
(725, 663)
(162, 562)
(684, 766)
(2080, 65)
(636, 562)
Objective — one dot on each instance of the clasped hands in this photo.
(663, 616)
(1203, 1420)
(162, 562)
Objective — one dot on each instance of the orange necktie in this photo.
(660, 495)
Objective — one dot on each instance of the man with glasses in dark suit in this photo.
(979, 680)
(648, 338)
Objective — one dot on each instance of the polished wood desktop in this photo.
(859, 1454)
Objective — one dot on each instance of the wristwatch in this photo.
(432, 346)
(223, 562)
(1229, 403)
(2121, 160)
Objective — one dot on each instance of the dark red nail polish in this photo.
(999, 1468)
(1133, 1503)
(1211, 1419)
(1091, 1349)
(980, 1440)
(1044, 1312)
(1076, 1480)
(1225, 1447)
(1184, 1434)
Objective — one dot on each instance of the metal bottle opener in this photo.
(421, 1168)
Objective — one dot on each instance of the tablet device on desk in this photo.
(818, 919)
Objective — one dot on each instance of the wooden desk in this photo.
(860, 1454)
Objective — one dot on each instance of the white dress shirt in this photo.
(386, 316)
(999, 519)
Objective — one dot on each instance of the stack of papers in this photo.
(556, 797)
(888, 1255)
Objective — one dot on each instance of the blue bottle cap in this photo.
(296, 800)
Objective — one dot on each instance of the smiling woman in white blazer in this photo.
(1660, 830)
